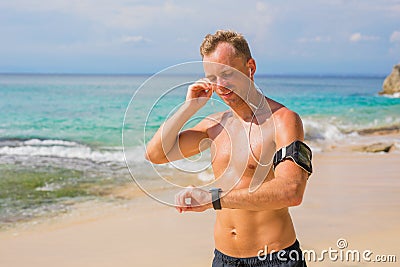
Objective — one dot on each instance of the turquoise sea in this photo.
(60, 135)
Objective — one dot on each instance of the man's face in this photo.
(228, 73)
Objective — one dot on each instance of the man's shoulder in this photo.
(288, 126)
(285, 115)
(284, 118)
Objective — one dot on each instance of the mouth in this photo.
(227, 94)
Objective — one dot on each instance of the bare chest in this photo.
(241, 151)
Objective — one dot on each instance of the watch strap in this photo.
(215, 196)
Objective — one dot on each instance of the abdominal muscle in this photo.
(243, 233)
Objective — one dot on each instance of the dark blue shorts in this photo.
(288, 257)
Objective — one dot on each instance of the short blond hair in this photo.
(233, 38)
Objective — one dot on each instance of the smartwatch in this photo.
(215, 196)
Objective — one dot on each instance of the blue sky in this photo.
(129, 36)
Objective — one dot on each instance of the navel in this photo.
(233, 232)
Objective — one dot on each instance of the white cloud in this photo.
(139, 16)
(355, 37)
(358, 37)
(113, 14)
(316, 39)
(134, 39)
(100, 45)
(321, 29)
(395, 37)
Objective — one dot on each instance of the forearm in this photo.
(273, 194)
(167, 135)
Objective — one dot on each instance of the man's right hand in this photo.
(199, 93)
(170, 143)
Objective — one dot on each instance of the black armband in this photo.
(297, 151)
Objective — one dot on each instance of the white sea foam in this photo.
(322, 130)
(61, 149)
(49, 142)
(395, 95)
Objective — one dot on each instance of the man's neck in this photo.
(253, 104)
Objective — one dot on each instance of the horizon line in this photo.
(377, 75)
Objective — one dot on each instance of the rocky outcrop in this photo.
(375, 148)
(391, 85)
(385, 130)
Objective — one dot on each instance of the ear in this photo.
(251, 64)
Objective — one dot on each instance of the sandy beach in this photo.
(351, 195)
(92, 93)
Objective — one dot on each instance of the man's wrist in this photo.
(190, 107)
(196, 103)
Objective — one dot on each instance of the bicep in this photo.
(194, 140)
(289, 128)
(190, 142)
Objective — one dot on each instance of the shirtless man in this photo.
(252, 226)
